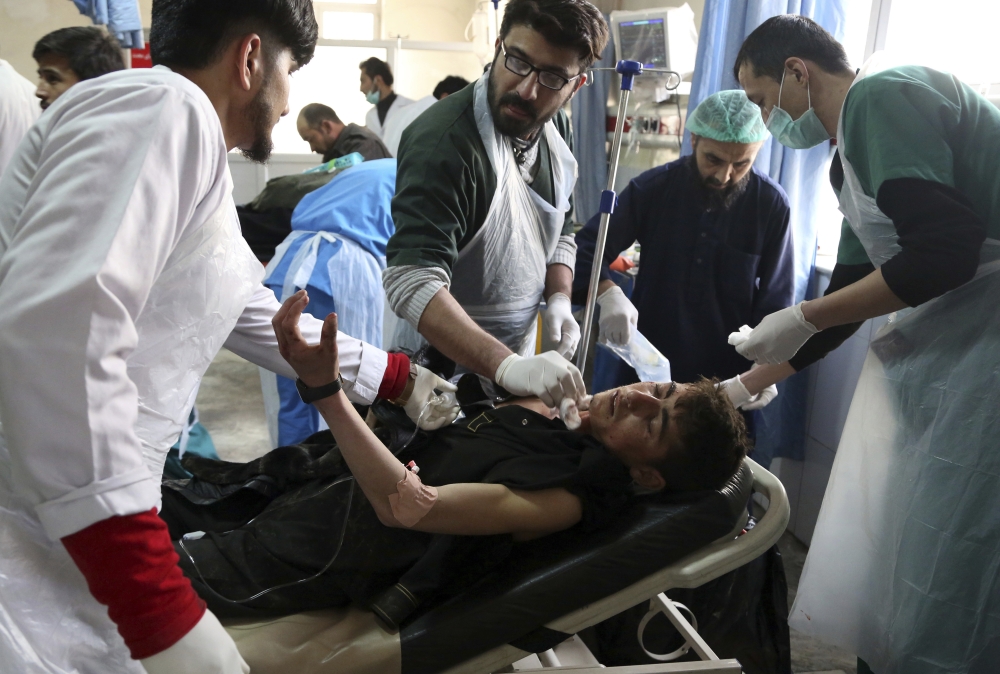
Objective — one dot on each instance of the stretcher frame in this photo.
(714, 560)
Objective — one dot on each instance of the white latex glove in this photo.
(741, 398)
(548, 376)
(441, 409)
(206, 649)
(618, 317)
(778, 337)
(559, 325)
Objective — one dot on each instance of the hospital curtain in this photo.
(589, 112)
(781, 426)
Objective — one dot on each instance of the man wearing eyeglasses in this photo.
(482, 208)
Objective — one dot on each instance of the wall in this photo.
(23, 22)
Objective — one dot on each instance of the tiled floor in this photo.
(232, 409)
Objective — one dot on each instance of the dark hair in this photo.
(91, 51)
(316, 113)
(785, 36)
(713, 439)
(194, 33)
(563, 23)
(374, 67)
(450, 85)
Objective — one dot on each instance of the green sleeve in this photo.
(850, 251)
(565, 128)
(897, 124)
(444, 187)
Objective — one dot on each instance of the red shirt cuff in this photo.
(131, 567)
(397, 370)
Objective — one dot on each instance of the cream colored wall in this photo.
(433, 20)
(23, 22)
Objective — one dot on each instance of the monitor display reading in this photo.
(644, 41)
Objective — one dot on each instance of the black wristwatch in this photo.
(311, 395)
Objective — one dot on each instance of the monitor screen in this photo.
(644, 41)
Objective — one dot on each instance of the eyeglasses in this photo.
(546, 78)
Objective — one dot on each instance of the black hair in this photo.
(317, 113)
(90, 50)
(450, 85)
(374, 67)
(563, 23)
(712, 442)
(194, 33)
(785, 36)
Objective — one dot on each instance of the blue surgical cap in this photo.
(728, 117)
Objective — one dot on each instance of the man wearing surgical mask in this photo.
(908, 538)
(376, 85)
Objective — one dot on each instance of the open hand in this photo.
(316, 365)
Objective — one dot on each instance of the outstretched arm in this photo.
(463, 509)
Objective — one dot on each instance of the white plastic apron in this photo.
(499, 277)
(904, 565)
(49, 622)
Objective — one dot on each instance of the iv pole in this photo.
(629, 70)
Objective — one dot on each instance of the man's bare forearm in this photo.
(759, 378)
(868, 298)
(558, 279)
(445, 324)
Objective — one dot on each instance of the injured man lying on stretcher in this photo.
(345, 517)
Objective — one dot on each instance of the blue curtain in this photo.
(590, 113)
(725, 24)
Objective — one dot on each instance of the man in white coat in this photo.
(18, 110)
(376, 85)
(122, 273)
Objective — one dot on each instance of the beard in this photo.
(509, 126)
(258, 114)
(712, 197)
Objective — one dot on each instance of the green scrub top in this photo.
(915, 122)
(445, 183)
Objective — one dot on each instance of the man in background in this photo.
(17, 110)
(376, 85)
(71, 55)
(320, 126)
(393, 132)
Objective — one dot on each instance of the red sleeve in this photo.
(397, 370)
(131, 567)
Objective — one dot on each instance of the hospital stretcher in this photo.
(544, 593)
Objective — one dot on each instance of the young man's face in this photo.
(367, 83)
(764, 91)
(268, 106)
(520, 104)
(54, 78)
(636, 422)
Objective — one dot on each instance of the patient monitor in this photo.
(665, 37)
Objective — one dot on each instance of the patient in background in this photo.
(353, 520)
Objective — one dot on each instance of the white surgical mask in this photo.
(805, 132)
(373, 96)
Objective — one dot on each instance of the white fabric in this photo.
(778, 337)
(206, 649)
(377, 127)
(559, 324)
(618, 317)
(18, 110)
(122, 272)
(399, 118)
